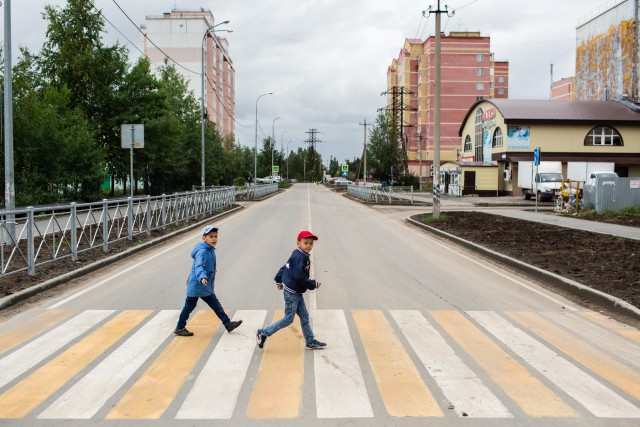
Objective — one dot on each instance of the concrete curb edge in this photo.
(12, 299)
(579, 289)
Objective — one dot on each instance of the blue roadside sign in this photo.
(536, 156)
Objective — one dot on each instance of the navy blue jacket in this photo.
(294, 275)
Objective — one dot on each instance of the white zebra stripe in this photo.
(90, 393)
(593, 395)
(340, 388)
(25, 358)
(465, 391)
(215, 392)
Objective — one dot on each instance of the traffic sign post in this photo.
(536, 162)
(131, 136)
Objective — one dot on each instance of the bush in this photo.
(239, 182)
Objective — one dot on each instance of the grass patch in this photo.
(430, 219)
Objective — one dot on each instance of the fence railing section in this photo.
(36, 236)
(251, 192)
(376, 194)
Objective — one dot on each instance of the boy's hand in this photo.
(203, 281)
(318, 285)
(279, 287)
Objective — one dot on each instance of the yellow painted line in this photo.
(277, 392)
(527, 391)
(613, 325)
(31, 328)
(598, 361)
(22, 398)
(402, 389)
(150, 396)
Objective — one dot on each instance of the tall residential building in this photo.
(468, 73)
(607, 54)
(184, 36)
(564, 89)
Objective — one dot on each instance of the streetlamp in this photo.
(204, 37)
(288, 159)
(281, 143)
(273, 138)
(255, 153)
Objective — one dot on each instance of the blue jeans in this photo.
(293, 304)
(190, 305)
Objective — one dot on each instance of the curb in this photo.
(12, 299)
(576, 288)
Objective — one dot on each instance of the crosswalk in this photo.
(117, 365)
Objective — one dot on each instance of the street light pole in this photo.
(255, 154)
(288, 160)
(203, 114)
(273, 139)
(281, 142)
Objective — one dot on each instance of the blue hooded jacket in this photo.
(204, 265)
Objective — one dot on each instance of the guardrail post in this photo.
(31, 262)
(163, 211)
(148, 215)
(186, 208)
(130, 218)
(105, 225)
(74, 232)
(176, 208)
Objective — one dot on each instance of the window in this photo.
(479, 71)
(497, 138)
(603, 135)
(478, 155)
(479, 86)
(467, 143)
(480, 57)
(500, 79)
(500, 91)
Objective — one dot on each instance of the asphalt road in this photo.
(419, 332)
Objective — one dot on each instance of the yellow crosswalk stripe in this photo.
(31, 328)
(37, 387)
(598, 361)
(528, 392)
(403, 391)
(277, 392)
(620, 328)
(150, 396)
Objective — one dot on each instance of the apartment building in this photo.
(185, 36)
(468, 73)
(564, 89)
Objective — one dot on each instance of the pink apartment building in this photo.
(468, 73)
(180, 34)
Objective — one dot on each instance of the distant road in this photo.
(419, 332)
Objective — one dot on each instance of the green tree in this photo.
(384, 153)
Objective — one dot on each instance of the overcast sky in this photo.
(326, 60)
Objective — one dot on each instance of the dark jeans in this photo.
(190, 305)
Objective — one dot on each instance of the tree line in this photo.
(71, 97)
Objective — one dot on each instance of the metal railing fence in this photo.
(375, 194)
(35, 236)
(250, 192)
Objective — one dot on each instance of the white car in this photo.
(342, 181)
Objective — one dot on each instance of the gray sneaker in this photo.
(260, 338)
(316, 345)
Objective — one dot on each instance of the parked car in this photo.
(342, 181)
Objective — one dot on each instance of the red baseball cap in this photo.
(306, 233)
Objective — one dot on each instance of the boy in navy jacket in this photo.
(293, 279)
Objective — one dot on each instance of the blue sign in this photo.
(536, 156)
(344, 174)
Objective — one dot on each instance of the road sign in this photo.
(536, 156)
(131, 136)
(345, 168)
(275, 169)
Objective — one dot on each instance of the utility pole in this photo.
(364, 150)
(436, 121)
(9, 183)
(311, 151)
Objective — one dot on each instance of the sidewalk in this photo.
(517, 207)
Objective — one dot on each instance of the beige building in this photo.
(185, 36)
(504, 132)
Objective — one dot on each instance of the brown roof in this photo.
(546, 111)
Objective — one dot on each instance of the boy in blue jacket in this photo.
(293, 277)
(200, 283)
